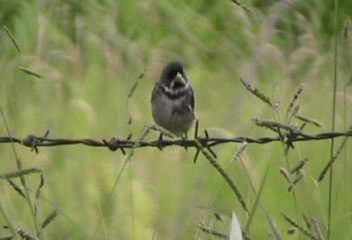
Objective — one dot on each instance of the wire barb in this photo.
(34, 142)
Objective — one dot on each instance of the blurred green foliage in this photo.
(90, 53)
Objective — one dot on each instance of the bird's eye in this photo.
(172, 74)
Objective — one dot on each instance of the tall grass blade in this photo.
(227, 178)
(332, 160)
(22, 178)
(13, 40)
(274, 233)
(257, 200)
(333, 117)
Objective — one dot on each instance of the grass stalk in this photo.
(21, 176)
(333, 120)
(226, 177)
(140, 138)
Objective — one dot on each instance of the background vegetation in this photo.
(90, 53)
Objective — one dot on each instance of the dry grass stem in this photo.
(286, 175)
(226, 177)
(292, 105)
(25, 235)
(16, 188)
(300, 165)
(332, 160)
(161, 130)
(40, 186)
(239, 152)
(13, 40)
(309, 120)
(257, 93)
(317, 228)
(20, 173)
(272, 125)
(211, 231)
(295, 181)
(49, 219)
(303, 230)
(30, 72)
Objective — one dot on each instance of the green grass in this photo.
(90, 56)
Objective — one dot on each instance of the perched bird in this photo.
(173, 100)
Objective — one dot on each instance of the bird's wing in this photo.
(155, 92)
(191, 98)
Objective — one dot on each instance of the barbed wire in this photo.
(33, 141)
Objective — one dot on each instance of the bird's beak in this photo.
(179, 78)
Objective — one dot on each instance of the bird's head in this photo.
(173, 76)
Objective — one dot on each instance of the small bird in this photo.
(173, 100)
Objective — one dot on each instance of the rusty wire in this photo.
(33, 141)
